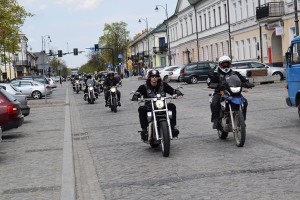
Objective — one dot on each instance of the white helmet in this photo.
(224, 59)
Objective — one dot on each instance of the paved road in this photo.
(200, 165)
(112, 163)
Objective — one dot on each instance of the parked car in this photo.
(10, 111)
(39, 78)
(16, 93)
(52, 83)
(31, 88)
(164, 73)
(245, 66)
(174, 75)
(196, 71)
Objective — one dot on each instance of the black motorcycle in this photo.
(159, 126)
(113, 98)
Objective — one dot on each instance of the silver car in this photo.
(33, 89)
(17, 94)
(244, 66)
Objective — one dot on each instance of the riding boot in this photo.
(144, 135)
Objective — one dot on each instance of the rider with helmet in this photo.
(111, 80)
(216, 81)
(154, 85)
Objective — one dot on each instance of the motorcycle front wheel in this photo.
(165, 142)
(114, 105)
(240, 132)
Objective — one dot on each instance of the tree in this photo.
(12, 17)
(115, 37)
(58, 66)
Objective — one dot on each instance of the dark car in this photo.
(16, 93)
(10, 111)
(196, 71)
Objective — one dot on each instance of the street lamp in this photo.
(44, 49)
(167, 25)
(146, 20)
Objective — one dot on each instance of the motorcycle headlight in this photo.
(159, 104)
(91, 88)
(235, 89)
(113, 89)
(77, 81)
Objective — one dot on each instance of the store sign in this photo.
(279, 31)
(272, 26)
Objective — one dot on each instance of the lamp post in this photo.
(44, 49)
(167, 25)
(44, 53)
(146, 20)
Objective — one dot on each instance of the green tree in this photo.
(12, 17)
(58, 66)
(115, 37)
(96, 63)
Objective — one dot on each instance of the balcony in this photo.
(270, 12)
(160, 49)
(21, 63)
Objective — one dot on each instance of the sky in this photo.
(79, 23)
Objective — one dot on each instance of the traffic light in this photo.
(96, 47)
(59, 53)
(75, 51)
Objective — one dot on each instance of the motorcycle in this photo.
(231, 114)
(159, 126)
(112, 98)
(91, 94)
(77, 86)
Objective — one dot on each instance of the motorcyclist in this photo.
(111, 80)
(87, 77)
(154, 85)
(75, 78)
(216, 80)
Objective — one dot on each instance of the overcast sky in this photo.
(79, 23)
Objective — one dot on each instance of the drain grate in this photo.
(32, 189)
(41, 150)
(81, 136)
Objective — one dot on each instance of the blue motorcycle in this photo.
(231, 116)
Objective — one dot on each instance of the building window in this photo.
(203, 56)
(187, 28)
(265, 47)
(176, 33)
(209, 20)
(200, 21)
(205, 22)
(225, 9)
(211, 52)
(237, 50)
(214, 17)
(220, 15)
(235, 12)
(192, 26)
(241, 10)
(222, 48)
(181, 30)
(249, 49)
(247, 9)
(217, 50)
(255, 47)
(242, 50)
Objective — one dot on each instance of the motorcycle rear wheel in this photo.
(165, 142)
(240, 132)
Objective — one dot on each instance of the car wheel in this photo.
(193, 80)
(36, 95)
(280, 74)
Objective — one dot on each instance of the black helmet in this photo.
(153, 72)
(89, 76)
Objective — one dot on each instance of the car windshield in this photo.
(7, 95)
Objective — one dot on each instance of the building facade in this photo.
(204, 30)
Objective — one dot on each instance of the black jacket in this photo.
(142, 90)
(216, 79)
(111, 82)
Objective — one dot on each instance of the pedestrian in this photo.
(60, 81)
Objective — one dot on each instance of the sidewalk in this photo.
(36, 160)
